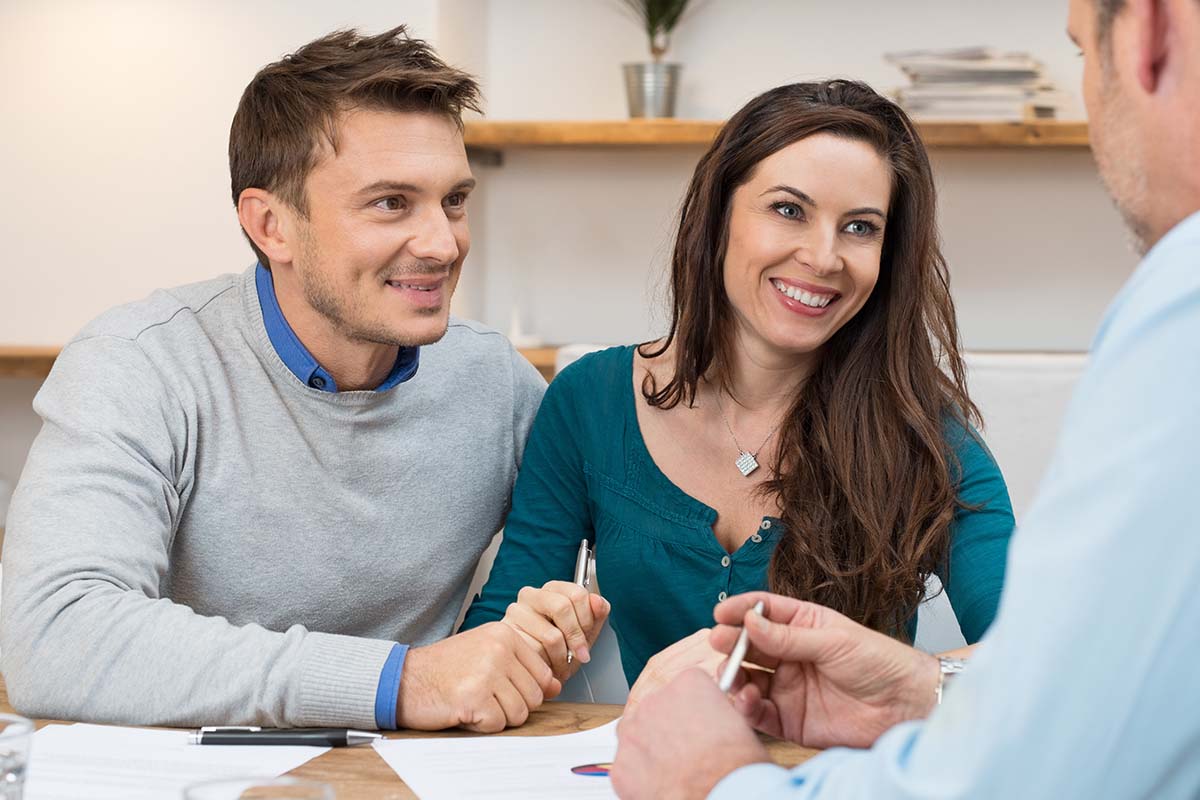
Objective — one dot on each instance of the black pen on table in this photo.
(583, 577)
(313, 737)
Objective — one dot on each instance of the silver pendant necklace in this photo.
(747, 460)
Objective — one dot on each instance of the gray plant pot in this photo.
(651, 89)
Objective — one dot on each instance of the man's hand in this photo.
(681, 741)
(483, 679)
(835, 682)
(690, 652)
(557, 618)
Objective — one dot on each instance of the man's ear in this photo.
(1151, 21)
(267, 221)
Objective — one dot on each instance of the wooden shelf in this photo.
(1004, 134)
(498, 135)
(35, 362)
(542, 358)
(653, 132)
(18, 361)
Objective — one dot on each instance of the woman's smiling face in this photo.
(805, 242)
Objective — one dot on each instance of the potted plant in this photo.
(651, 86)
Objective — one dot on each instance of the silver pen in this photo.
(316, 737)
(583, 576)
(737, 656)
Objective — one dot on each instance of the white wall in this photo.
(116, 113)
(580, 240)
(114, 147)
(559, 59)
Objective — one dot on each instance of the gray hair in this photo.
(1105, 11)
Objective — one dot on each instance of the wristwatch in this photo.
(949, 667)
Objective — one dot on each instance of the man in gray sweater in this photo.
(260, 499)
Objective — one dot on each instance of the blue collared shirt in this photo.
(1086, 684)
(296, 358)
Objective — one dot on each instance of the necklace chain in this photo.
(747, 460)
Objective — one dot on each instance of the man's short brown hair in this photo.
(293, 104)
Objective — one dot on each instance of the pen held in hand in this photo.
(583, 562)
(737, 656)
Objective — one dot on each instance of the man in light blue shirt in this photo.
(1085, 685)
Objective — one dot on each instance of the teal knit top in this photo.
(587, 474)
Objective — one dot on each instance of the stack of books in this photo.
(976, 83)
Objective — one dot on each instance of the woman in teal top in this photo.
(804, 426)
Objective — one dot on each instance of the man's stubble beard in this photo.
(345, 314)
(1119, 160)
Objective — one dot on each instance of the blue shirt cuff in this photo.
(389, 688)
(753, 780)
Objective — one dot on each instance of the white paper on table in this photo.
(102, 762)
(504, 767)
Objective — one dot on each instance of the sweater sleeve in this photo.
(550, 511)
(86, 628)
(528, 389)
(980, 534)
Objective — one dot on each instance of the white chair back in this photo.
(1022, 397)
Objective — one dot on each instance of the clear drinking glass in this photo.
(15, 736)
(259, 789)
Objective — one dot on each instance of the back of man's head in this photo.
(1140, 80)
(290, 111)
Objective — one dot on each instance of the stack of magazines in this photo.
(976, 83)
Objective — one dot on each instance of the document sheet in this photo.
(101, 762)
(506, 767)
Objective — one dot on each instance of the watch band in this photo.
(948, 666)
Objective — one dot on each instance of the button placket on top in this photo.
(727, 559)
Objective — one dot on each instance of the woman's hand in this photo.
(558, 618)
(688, 653)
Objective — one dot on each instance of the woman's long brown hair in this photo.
(863, 471)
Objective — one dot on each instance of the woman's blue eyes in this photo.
(858, 227)
(789, 210)
(864, 228)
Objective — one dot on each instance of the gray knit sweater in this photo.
(200, 538)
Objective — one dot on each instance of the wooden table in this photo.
(33, 361)
(358, 773)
